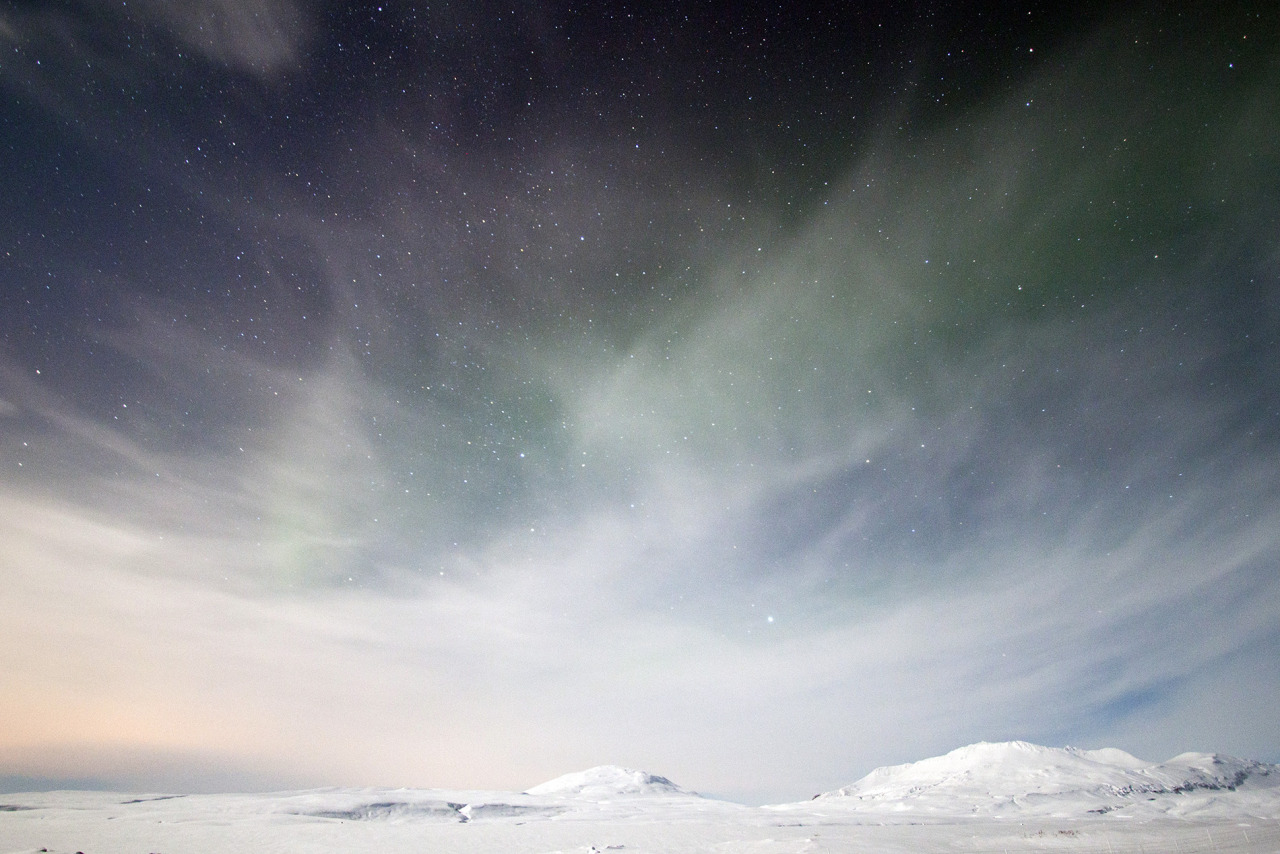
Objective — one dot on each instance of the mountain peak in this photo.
(608, 781)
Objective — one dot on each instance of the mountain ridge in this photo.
(1016, 777)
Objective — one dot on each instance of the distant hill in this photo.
(608, 781)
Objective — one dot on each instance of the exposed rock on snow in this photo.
(393, 811)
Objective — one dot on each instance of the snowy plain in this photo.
(1011, 797)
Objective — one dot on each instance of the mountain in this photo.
(608, 781)
(1019, 778)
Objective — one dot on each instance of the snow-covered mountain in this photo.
(1017, 778)
(608, 781)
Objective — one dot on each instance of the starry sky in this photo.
(461, 394)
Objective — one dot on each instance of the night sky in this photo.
(463, 394)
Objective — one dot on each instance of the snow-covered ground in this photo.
(1012, 797)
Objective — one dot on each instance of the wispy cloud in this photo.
(260, 38)
(948, 459)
